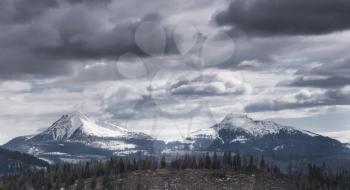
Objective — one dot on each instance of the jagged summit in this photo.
(243, 122)
(77, 124)
(256, 127)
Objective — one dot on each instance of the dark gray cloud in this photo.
(80, 38)
(286, 17)
(330, 82)
(91, 2)
(20, 11)
(72, 35)
(24, 10)
(332, 74)
(303, 100)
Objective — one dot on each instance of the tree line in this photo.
(67, 175)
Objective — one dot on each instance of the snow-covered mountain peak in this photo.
(76, 123)
(251, 126)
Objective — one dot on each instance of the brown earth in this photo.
(167, 179)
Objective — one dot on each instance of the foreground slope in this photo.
(195, 179)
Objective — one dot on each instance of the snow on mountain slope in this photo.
(246, 124)
(347, 145)
(253, 127)
(71, 124)
(75, 137)
(237, 132)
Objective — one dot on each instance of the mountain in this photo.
(13, 162)
(238, 132)
(75, 137)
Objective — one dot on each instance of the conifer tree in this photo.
(207, 161)
(80, 184)
(262, 163)
(93, 183)
(163, 162)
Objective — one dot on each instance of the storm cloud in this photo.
(288, 57)
(285, 17)
(303, 99)
(13, 11)
(48, 38)
(330, 82)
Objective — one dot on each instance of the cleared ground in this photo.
(196, 180)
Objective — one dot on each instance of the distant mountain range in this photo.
(75, 137)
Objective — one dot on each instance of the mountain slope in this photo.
(13, 162)
(77, 125)
(240, 133)
(75, 137)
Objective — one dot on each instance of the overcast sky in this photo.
(170, 67)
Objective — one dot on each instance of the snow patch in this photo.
(112, 145)
(280, 147)
(46, 160)
(74, 160)
(125, 153)
(239, 139)
(33, 151)
(55, 153)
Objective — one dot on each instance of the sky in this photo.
(171, 67)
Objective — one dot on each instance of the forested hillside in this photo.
(183, 172)
(13, 162)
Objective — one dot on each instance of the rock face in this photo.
(75, 137)
(240, 133)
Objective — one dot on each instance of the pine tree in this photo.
(225, 160)
(121, 166)
(58, 182)
(93, 183)
(290, 168)
(207, 161)
(229, 160)
(163, 162)
(237, 165)
(215, 162)
(106, 183)
(251, 164)
(262, 163)
(201, 162)
(80, 184)
(135, 165)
